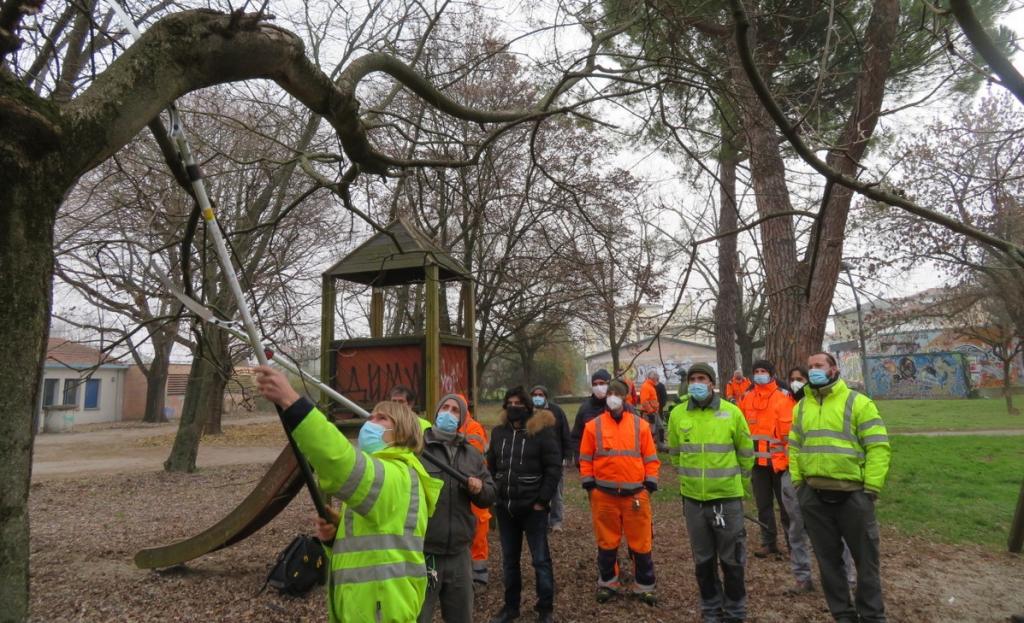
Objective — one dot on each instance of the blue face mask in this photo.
(817, 377)
(762, 379)
(538, 401)
(371, 437)
(446, 421)
(699, 391)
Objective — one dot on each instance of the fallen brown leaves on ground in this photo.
(85, 532)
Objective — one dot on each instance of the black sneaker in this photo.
(505, 616)
(605, 594)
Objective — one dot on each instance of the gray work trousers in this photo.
(453, 587)
(718, 538)
(832, 517)
(799, 549)
(799, 552)
(557, 504)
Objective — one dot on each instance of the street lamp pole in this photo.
(860, 327)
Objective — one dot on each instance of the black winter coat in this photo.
(452, 526)
(526, 462)
(562, 430)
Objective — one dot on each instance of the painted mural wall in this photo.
(918, 375)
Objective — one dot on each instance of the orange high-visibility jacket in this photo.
(475, 434)
(618, 456)
(734, 390)
(768, 409)
(631, 397)
(649, 397)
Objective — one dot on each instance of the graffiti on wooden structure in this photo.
(918, 375)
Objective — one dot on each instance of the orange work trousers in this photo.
(479, 551)
(615, 515)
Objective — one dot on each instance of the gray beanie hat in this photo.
(543, 389)
(458, 399)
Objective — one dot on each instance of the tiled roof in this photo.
(63, 352)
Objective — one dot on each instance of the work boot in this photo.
(648, 597)
(605, 594)
(767, 550)
(505, 616)
(545, 617)
(801, 588)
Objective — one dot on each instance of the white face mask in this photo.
(796, 386)
(600, 391)
(614, 403)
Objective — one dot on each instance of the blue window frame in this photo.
(92, 394)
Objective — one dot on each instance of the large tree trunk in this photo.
(28, 205)
(727, 305)
(156, 374)
(799, 291)
(203, 397)
(1007, 387)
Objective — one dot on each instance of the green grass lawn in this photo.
(954, 489)
(926, 415)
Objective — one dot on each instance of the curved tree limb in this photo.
(807, 154)
(1008, 75)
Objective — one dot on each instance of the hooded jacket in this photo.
(561, 423)
(451, 528)
(526, 462)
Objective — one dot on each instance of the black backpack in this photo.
(299, 567)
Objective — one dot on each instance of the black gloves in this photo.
(650, 486)
(589, 485)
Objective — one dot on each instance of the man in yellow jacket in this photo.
(377, 566)
(710, 444)
(838, 460)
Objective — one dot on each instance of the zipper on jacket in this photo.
(511, 459)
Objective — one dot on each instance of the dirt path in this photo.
(137, 448)
(86, 530)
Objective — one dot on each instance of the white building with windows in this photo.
(81, 385)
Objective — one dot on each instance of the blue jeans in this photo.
(512, 527)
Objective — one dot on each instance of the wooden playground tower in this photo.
(432, 363)
(363, 370)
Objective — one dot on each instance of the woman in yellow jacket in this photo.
(377, 572)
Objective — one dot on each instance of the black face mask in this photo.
(516, 413)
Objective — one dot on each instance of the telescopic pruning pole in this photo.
(210, 217)
(206, 315)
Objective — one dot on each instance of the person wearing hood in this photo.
(526, 461)
(619, 470)
(710, 444)
(377, 567)
(590, 408)
(450, 530)
(769, 412)
(540, 399)
(839, 457)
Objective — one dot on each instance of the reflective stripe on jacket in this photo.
(763, 407)
(378, 572)
(838, 434)
(618, 456)
(711, 447)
